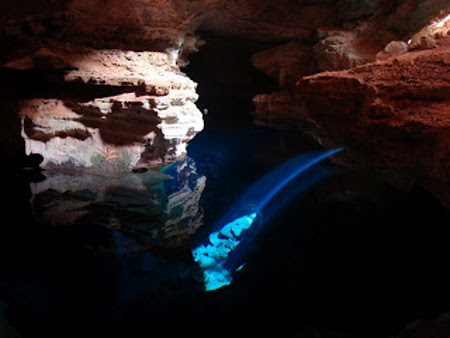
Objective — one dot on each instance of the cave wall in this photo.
(137, 109)
(381, 90)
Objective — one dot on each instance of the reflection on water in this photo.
(159, 209)
(125, 266)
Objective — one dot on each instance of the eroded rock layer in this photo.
(136, 109)
(381, 90)
(393, 114)
(147, 123)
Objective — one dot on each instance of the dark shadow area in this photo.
(123, 125)
(50, 84)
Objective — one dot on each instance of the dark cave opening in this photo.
(227, 80)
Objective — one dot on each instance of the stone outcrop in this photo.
(397, 106)
(133, 108)
(340, 49)
(393, 114)
(146, 124)
(284, 64)
(134, 49)
(393, 48)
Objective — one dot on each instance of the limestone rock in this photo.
(394, 114)
(340, 49)
(148, 123)
(276, 110)
(158, 25)
(43, 59)
(426, 42)
(393, 48)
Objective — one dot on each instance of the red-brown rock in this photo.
(394, 114)
(286, 63)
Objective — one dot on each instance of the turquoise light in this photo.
(212, 257)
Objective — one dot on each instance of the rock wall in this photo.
(393, 114)
(385, 101)
(136, 109)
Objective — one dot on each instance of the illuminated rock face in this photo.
(147, 124)
(140, 111)
(393, 114)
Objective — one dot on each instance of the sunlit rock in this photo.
(147, 124)
(393, 114)
(339, 49)
(393, 48)
(439, 27)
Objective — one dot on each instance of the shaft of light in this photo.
(290, 177)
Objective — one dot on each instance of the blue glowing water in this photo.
(213, 256)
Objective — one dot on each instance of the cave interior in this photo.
(134, 131)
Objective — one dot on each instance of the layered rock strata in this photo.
(147, 123)
(363, 32)
(393, 114)
(381, 91)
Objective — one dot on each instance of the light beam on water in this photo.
(212, 256)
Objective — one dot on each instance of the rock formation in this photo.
(393, 114)
(122, 103)
(147, 123)
(102, 102)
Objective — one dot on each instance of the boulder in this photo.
(393, 48)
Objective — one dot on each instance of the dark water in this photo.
(350, 257)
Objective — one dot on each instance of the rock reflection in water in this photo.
(159, 209)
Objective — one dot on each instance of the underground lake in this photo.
(215, 169)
